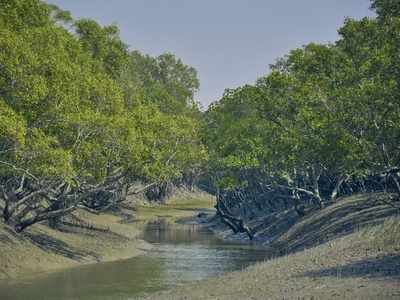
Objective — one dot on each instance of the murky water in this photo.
(181, 253)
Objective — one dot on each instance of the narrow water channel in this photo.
(181, 254)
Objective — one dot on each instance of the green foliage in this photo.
(44, 157)
(104, 44)
(73, 90)
(164, 81)
(386, 8)
(324, 114)
(80, 113)
(12, 126)
(22, 14)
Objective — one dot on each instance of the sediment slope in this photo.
(350, 249)
(111, 236)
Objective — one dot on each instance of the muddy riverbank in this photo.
(349, 250)
(181, 252)
(88, 238)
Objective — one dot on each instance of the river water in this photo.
(180, 254)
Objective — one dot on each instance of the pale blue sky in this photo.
(229, 42)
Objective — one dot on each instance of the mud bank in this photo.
(102, 238)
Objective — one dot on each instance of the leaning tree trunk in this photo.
(42, 217)
(338, 185)
(236, 224)
(396, 181)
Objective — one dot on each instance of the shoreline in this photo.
(369, 255)
(358, 266)
(40, 249)
(319, 257)
(287, 233)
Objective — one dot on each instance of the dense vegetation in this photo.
(84, 120)
(325, 121)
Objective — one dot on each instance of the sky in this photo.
(229, 42)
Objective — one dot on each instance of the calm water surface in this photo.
(181, 253)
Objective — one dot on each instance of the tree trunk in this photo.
(236, 224)
(295, 196)
(396, 181)
(25, 200)
(42, 217)
(340, 181)
(315, 178)
(6, 212)
(296, 201)
(6, 209)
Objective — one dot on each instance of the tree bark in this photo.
(24, 200)
(316, 174)
(335, 191)
(396, 181)
(42, 217)
(316, 198)
(236, 224)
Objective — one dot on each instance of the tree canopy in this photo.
(83, 118)
(322, 122)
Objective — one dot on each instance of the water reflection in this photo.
(191, 252)
(181, 253)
